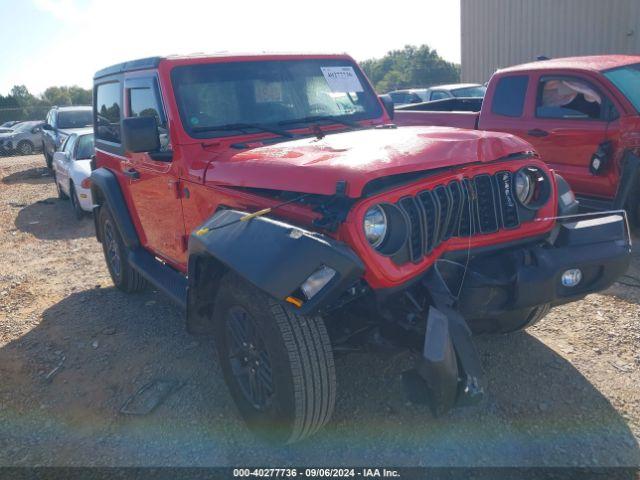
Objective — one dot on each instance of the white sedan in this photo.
(72, 169)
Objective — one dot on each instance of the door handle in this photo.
(536, 132)
(132, 173)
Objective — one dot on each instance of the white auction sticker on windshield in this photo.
(342, 79)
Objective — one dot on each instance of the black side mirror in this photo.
(388, 105)
(140, 134)
(46, 126)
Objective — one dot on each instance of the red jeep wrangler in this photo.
(270, 194)
(581, 114)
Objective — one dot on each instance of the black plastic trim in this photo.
(276, 257)
(104, 184)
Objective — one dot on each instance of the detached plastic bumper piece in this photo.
(449, 373)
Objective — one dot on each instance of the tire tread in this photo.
(313, 369)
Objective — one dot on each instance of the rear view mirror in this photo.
(46, 126)
(140, 134)
(388, 105)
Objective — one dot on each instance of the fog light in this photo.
(571, 277)
(316, 281)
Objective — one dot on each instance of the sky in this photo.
(63, 42)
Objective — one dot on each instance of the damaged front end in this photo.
(449, 372)
(583, 254)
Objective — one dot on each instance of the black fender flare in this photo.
(105, 189)
(274, 256)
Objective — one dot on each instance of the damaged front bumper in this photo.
(521, 279)
(596, 248)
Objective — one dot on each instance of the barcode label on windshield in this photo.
(342, 79)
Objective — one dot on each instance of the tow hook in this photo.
(449, 372)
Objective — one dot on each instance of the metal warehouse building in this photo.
(500, 33)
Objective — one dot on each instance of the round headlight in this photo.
(532, 187)
(375, 226)
(523, 187)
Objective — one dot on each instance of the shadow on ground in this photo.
(34, 176)
(65, 381)
(53, 219)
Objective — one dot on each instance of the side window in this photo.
(107, 112)
(52, 121)
(397, 97)
(68, 145)
(438, 95)
(568, 98)
(144, 101)
(509, 95)
(84, 148)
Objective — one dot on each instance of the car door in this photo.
(62, 162)
(154, 182)
(570, 119)
(48, 136)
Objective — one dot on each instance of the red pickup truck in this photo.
(581, 114)
(272, 198)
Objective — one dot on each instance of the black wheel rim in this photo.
(112, 249)
(25, 149)
(249, 360)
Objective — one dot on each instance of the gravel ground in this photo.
(73, 349)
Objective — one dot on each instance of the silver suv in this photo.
(23, 138)
(62, 122)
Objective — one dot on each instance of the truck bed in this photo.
(450, 112)
(447, 119)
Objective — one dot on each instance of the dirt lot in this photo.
(73, 350)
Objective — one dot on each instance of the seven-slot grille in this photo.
(480, 205)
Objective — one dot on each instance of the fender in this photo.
(106, 189)
(274, 256)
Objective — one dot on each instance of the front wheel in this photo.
(47, 158)
(509, 322)
(61, 194)
(278, 365)
(115, 253)
(75, 204)
(25, 148)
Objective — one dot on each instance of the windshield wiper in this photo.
(321, 118)
(243, 127)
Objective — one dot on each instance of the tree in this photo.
(410, 67)
(57, 96)
(20, 104)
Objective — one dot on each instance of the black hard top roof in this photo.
(140, 64)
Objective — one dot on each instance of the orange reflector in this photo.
(294, 301)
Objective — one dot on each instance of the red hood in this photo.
(310, 165)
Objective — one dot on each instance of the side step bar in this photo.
(163, 277)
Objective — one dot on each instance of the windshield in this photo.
(75, 119)
(25, 126)
(84, 149)
(478, 91)
(262, 93)
(627, 79)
